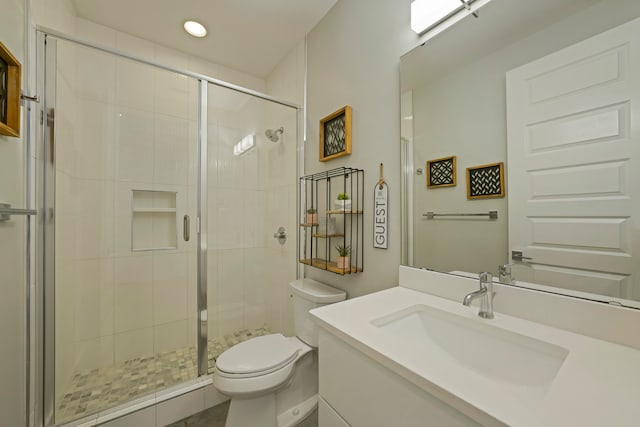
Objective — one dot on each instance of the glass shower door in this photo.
(251, 192)
(125, 164)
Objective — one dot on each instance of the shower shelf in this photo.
(318, 193)
(154, 220)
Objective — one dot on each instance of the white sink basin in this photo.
(528, 364)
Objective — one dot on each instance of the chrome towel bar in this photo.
(6, 211)
(490, 214)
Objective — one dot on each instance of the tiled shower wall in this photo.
(121, 126)
(139, 132)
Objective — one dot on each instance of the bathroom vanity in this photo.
(414, 355)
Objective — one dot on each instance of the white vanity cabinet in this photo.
(355, 390)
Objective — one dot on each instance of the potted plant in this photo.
(343, 256)
(312, 216)
(343, 202)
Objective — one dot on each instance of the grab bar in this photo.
(490, 214)
(6, 211)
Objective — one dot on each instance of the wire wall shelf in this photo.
(331, 210)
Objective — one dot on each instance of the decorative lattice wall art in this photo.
(335, 134)
(485, 181)
(441, 172)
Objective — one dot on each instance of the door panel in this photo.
(573, 147)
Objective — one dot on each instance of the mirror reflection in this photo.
(532, 111)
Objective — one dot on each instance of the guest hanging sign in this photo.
(381, 213)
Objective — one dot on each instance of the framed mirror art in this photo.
(10, 72)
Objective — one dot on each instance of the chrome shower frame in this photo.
(44, 300)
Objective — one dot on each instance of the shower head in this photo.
(272, 135)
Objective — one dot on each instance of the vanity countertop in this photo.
(597, 384)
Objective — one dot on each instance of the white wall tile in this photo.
(212, 397)
(231, 279)
(143, 418)
(95, 75)
(135, 86)
(229, 166)
(169, 336)
(135, 46)
(96, 33)
(94, 353)
(134, 343)
(171, 150)
(255, 287)
(94, 298)
(134, 142)
(230, 319)
(229, 225)
(94, 149)
(169, 287)
(253, 219)
(172, 93)
(180, 407)
(133, 293)
(212, 292)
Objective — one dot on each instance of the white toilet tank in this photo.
(307, 295)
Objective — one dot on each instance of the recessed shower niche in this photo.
(153, 220)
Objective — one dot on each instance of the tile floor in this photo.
(102, 388)
(216, 417)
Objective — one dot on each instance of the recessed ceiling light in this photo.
(194, 28)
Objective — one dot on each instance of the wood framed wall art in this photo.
(335, 134)
(10, 73)
(441, 172)
(485, 181)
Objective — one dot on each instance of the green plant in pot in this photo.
(312, 216)
(343, 256)
(343, 202)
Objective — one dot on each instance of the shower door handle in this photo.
(186, 226)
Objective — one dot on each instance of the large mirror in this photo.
(521, 147)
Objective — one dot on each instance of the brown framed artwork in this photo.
(441, 172)
(335, 134)
(10, 73)
(485, 181)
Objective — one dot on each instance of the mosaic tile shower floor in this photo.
(102, 388)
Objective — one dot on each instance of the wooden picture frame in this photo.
(10, 91)
(486, 181)
(441, 172)
(335, 134)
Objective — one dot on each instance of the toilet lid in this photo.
(257, 355)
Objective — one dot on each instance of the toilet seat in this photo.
(257, 356)
(256, 377)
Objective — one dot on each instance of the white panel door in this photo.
(573, 150)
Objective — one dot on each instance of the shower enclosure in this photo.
(163, 191)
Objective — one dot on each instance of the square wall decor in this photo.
(10, 74)
(335, 134)
(441, 172)
(485, 181)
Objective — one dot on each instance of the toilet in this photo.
(272, 379)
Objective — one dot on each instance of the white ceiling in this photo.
(246, 35)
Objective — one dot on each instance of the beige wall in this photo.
(353, 59)
(12, 240)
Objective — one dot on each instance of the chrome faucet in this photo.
(486, 292)
(504, 272)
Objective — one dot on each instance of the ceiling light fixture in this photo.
(194, 28)
(427, 15)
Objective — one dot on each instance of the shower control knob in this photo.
(281, 235)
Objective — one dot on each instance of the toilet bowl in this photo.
(272, 379)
